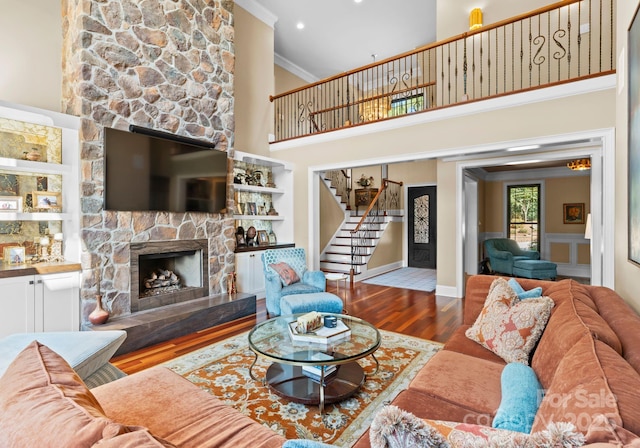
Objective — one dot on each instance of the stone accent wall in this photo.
(161, 64)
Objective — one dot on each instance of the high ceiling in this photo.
(340, 35)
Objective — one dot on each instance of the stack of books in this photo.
(322, 335)
(314, 372)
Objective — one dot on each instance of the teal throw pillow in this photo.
(521, 396)
(522, 294)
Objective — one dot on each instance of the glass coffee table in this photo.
(272, 340)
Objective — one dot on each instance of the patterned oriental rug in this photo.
(223, 370)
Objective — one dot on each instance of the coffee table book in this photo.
(322, 335)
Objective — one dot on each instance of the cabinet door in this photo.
(17, 305)
(58, 302)
(249, 275)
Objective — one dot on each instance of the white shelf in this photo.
(256, 159)
(259, 217)
(36, 216)
(27, 166)
(257, 189)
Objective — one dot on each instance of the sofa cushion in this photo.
(521, 395)
(569, 322)
(187, 416)
(522, 293)
(43, 402)
(470, 383)
(592, 379)
(459, 342)
(136, 438)
(287, 274)
(604, 430)
(509, 327)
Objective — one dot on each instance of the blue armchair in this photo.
(503, 252)
(310, 281)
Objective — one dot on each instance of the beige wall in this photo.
(388, 250)
(286, 80)
(453, 16)
(626, 273)
(254, 82)
(331, 216)
(565, 115)
(31, 53)
(565, 190)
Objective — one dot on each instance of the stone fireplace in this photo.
(160, 64)
(186, 260)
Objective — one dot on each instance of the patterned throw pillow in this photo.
(508, 326)
(286, 273)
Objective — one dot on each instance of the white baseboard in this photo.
(446, 291)
(379, 270)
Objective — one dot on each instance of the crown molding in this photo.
(258, 11)
(294, 69)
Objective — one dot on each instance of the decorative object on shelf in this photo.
(251, 208)
(579, 164)
(270, 182)
(33, 155)
(272, 211)
(262, 210)
(239, 176)
(44, 248)
(46, 200)
(573, 213)
(11, 204)
(99, 315)
(240, 241)
(14, 255)
(231, 283)
(251, 236)
(259, 178)
(272, 238)
(240, 208)
(56, 248)
(42, 183)
(365, 181)
(263, 237)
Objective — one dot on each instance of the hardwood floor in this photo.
(405, 311)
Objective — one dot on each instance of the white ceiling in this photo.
(340, 35)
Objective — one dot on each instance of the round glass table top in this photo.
(272, 339)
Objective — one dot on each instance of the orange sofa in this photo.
(587, 360)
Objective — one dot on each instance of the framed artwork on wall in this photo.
(573, 213)
(633, 180)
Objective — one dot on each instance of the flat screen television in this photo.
(148, 170)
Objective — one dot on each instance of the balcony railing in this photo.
(563, 42)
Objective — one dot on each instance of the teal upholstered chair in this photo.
(310, 281)
(503, 252)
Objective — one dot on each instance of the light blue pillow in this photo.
(305, 443)
(522, 294)
(521, 396)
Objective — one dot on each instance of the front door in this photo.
(422, 227)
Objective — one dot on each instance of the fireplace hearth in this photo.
(168, 272)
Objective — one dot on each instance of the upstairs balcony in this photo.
(563, 42)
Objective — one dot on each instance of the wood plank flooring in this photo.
(405, 311)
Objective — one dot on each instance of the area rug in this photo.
(408, 278)
(223, 370)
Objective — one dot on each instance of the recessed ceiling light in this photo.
(358, 1)
(300, 25)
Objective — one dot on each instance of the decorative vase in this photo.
(33, 155)
(99, 315)
(231, 283)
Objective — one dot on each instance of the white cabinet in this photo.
(249, 274)
(35, 303)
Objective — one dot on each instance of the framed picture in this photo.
(10, 204)
(272, 238)
(46, 199)
(633, 48)
(573, 213)
(263, 237)
(14, 255)
(250, 208)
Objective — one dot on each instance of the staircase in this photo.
(336, 256)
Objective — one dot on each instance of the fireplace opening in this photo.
(167, 272)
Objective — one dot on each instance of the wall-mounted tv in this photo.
(148, 170)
